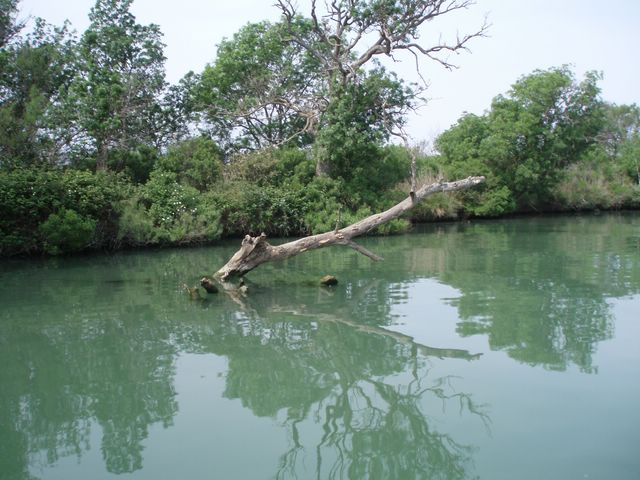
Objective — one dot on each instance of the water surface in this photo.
(494, 350)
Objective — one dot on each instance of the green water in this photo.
(492, 350)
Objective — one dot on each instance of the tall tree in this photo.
(347, 37)
(622, 123)
(9, 25)
(35, 69)
(620, 137)
(121, 78)
(317, 78)
(256, 92)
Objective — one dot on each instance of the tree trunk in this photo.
(255, 251)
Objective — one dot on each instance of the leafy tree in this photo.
(620, 137)
(356, 125)
(306, 79)
(117, 92)
(9, 26)
(34, 72)
(543, 124)
(255, 94)
(630, 157)
(622, 123)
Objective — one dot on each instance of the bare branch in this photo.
(255, 251)
(363, 251)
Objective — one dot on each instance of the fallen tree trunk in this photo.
(255, 251)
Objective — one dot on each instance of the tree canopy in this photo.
(119, 82)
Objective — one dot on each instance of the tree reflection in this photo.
(540, 289)
(87, 365)
(106, 357)
(367, 388)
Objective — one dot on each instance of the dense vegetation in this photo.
(280, 134)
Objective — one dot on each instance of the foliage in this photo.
(294, 120)
(545, 122)
(276, 191)
(29, 198)
(629, 158)
(163, 211)
(357, 122)
(252, 95)
(250, 208)
(596, 183)
(620, 137)
(196, 162)
(114, 102)
(622, 123)
(271, 166)
(9, 27)
(34, 72)
(136, 163)
(66, 231)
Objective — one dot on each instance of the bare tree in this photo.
(348, 36)
(350, 33)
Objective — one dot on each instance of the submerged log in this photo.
(255, 251)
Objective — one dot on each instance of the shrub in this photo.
(259, 168)
(196, 162)
(66, 231)
(249, 208)
(28, 197)
(592, 184)
(164, 212)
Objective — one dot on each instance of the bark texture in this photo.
(255, 251)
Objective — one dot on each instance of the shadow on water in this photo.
(94, 341)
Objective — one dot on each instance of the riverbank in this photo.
(62, 212)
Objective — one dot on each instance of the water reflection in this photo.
(539, 289)
(365, 387)
(91, 344)
(98, 361)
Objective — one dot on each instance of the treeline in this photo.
(283, 133)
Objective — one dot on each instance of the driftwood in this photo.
(255, 251)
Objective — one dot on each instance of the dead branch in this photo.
(341, 30)
(255, 251)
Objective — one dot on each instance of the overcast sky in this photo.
(524, 35)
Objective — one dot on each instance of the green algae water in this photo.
(492, 350)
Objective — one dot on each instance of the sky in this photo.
(524, 35)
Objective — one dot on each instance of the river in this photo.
(501, 349)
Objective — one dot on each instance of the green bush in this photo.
(595, 183)
(259, 168)
(494, 202)
(196, 162)
(66, 231)
(28, 197)
(164, 212)
(250, 208)
(136, 163)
